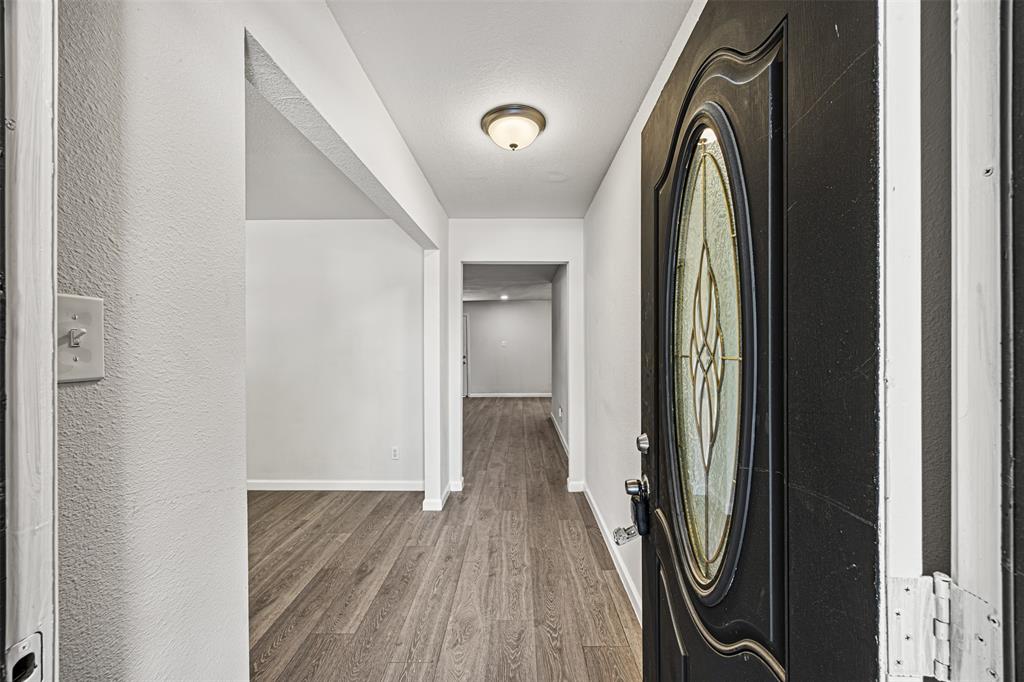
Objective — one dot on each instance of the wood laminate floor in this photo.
(512, 581)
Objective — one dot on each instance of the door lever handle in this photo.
(641, 513)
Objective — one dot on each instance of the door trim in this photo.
(1013, 217)
(465, 355)
(899, 390)
(499, 252)
(976, 295)
(977, 292)
(31, 93)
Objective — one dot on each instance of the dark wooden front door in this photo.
(760, 333)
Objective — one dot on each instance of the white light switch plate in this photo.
(79, 320)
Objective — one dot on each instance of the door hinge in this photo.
(938, 629)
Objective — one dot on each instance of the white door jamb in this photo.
(31, 289)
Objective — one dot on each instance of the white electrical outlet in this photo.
(394, 452)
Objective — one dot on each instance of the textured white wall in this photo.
(152, 471)
(334, 353)
(509, 347)
(560, 352)
(152, 529)
(611, 236)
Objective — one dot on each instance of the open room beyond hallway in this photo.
(512, 581)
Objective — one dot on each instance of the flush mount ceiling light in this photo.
(513, 126)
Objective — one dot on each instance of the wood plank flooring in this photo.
(512, 581)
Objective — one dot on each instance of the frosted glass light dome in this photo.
(513, 126)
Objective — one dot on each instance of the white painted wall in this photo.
(152, 525)
(612, 288)
(152, 538)
(287, 177)
(557, 240)
(509, 347)
(334, 355)
(560, 353)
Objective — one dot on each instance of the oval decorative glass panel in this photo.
(706, 356)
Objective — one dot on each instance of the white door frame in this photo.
(976, 520)
(577, 396)
(900, 519)
(976, 333)
(31, 82)
(465, 355)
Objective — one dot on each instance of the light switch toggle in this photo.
(75, 337)
(79, 338)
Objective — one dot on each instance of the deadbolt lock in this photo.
(643, 443)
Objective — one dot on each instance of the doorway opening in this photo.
(515, 337)
(334, 353)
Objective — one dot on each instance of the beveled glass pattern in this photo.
(706, 354)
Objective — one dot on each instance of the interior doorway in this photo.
(334, 349)
(514, 340)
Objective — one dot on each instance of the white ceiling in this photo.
(518, 282)
(439, 66)
(287, 178)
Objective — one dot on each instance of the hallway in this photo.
(512, 581)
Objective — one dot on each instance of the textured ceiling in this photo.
(439, 66)
(287, 178)
(518, 282)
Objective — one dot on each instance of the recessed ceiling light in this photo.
(504, 297)
(513, 126)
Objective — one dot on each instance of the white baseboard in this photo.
(561, 437)
(575, 486)
(456, 485)
(306, 484)
(627, 582)
(434, 504)
(509, 395)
